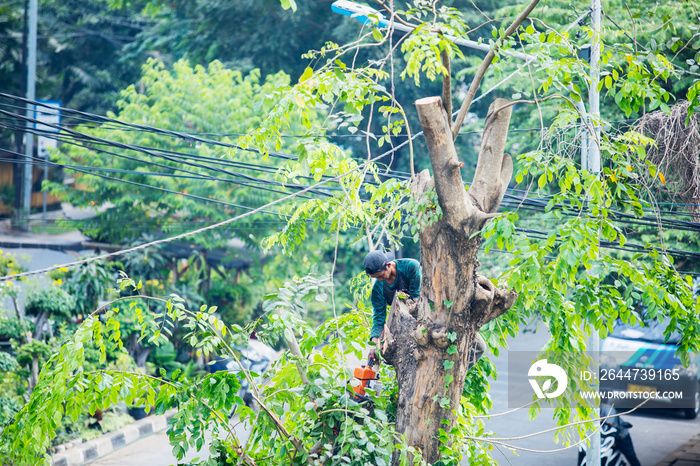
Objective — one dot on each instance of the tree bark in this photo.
(422, 335)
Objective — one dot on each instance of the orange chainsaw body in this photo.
(364, 374)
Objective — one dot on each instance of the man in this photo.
(392, 276)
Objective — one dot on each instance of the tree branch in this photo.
(294, 349)
(283, 430)
(443, 157)
(484, 66)
(494, 168)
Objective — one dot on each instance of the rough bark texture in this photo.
(454, 298)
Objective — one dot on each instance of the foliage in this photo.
(9, 264)
(572, 274)
(12, 327)
(151, 263)
(65, 388)
(214, 100)
(34, 349)
(579, 275)
(234, 301)
(246, 34)
(7, 362)
(9, 407)
(296, 296)
(79, 51)
(87, 283)
(52, 300)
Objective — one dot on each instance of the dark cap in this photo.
(375, 262)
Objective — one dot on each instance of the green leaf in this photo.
(448, 304)
(542, 181)
(448, 365)
(452, 349)
(377, 35)
(308, 72)
(287, 4)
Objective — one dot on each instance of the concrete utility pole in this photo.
(31, 95)
(593, 165)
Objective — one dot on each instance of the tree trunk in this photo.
(34, 374)
(428, 341)
(41, 320)
(137, 351)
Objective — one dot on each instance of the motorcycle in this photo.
(610, 455)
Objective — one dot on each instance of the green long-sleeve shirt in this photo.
(410, 268)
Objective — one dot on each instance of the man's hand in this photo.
(372, 354)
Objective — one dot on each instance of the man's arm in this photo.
(378, 320)
(379, 315)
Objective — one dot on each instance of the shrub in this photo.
(11, 327)
(53, 300)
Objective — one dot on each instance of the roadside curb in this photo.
(107, 443)
(685, 455)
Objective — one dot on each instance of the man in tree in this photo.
(392, 275)
(397, 275)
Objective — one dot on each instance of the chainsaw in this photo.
(365, 377)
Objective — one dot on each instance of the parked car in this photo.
(639, 359)
(256, 357)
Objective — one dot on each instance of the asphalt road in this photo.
(655, 433)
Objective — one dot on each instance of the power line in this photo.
(150, 151)
(195, 136)
(689, 226)
(172, 156)
(190, 233)
(681, 225)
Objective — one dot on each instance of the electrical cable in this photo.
(170, 155)
(189, 233)
(121, 145)
(187, 137)
(689, 226)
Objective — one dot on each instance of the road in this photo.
(655, 433)
(149, 451)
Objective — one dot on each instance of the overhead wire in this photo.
(143, 149)
(126, 146)
(176, 155)
(142, 185)
(192, 232)
(119, 125)
(690, 226)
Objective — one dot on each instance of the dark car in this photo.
(639, 363)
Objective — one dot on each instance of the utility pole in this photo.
(17, 165)
(31, 95)
(593, 165)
